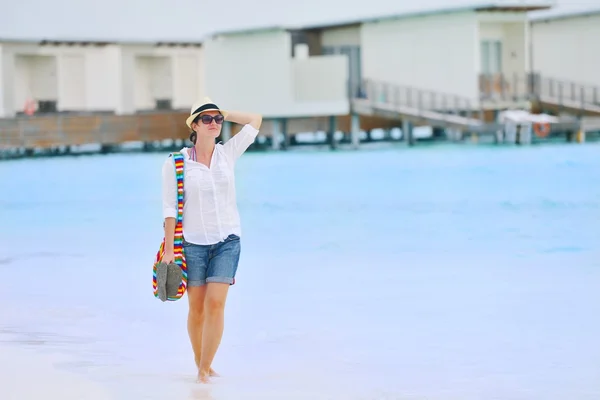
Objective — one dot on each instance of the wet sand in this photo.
(26, 374)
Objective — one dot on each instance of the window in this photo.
(163, 104)
(46, 106)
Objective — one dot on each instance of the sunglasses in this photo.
(207, 119)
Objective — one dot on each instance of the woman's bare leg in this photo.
(214, 313)
(195, 323)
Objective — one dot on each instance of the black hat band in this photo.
(209, 106)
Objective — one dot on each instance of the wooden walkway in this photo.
(416, 115)
(571, 105)
(418, 106)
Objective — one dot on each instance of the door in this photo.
(354, 64)
(491, 67)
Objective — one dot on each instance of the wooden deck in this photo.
(50, 131)
(59, 130)
(59, 133)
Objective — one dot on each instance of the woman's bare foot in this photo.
(203, 376)
(211, 372)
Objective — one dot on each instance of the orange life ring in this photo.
(541, 129)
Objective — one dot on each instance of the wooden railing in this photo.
(564, 90)
(534, 86)
(501, 87)
(421, 99)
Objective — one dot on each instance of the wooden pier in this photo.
(65, 134)
(375, 106)
(53, 134)
(58, 130)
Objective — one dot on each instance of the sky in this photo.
(193, 20)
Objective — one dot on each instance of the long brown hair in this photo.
(194, 135)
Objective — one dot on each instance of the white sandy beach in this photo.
(28, 375)
(432, 273)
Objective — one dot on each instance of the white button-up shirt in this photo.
(210, 211)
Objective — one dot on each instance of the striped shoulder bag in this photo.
(178, 252)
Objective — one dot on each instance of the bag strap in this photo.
(178, 252)
(179, 164)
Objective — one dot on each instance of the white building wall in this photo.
(103, 79)
(19, 73)
(250, 72)
(320, 85)
(127, 88)
(34, 77)
(568, 49)
(437, 52)
(71, 85)
(516, 62)
(256, 72)
(188, 79)
(3, 93)
(99, 78)
(153, 80)
(508, 69)
(149, 73)
(79, 78)
(43, 74)
(512, 29)
(142, 79)
(342, 36)
(318, 79)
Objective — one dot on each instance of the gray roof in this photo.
(416, 11)
(567, 11)
(247, 30)
(186, 21)
(476, 6)
(98, 41)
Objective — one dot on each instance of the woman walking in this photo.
(211, 223)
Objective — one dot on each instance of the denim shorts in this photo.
(212, 263)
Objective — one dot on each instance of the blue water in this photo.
(439, 272)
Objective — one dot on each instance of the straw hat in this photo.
(200, 107)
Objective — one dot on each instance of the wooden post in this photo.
(355, 130)
(286, 136)
(387, 134)
(581, 133)
(275, 135)
(407, 132)
(525, 133)
(226, 132)
(510, 132)
(331, 133)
